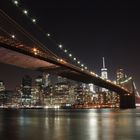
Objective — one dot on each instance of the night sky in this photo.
(90, 29)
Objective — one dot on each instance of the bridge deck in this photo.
(23, 61)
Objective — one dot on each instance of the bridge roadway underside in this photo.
(23, 60)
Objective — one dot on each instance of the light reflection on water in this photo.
(103, 124)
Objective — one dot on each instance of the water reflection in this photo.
(104, 124)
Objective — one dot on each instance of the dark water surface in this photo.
(41, 124)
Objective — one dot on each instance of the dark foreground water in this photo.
(104, 124)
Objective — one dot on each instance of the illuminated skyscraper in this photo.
(120, 76)
(2, 86)
(39, 81)
(91, 88)
(26, 87)
(104, 73)
(46, 79)
(40, 85)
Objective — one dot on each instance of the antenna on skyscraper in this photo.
(103, 62)
(104, 73)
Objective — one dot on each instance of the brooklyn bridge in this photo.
(20, 48)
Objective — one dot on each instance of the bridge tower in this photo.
(127, 100)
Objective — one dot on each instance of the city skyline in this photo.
(15, 75)
(95, 29)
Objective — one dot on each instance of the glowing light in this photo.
(60, 46)
(78, 62)
(13, 36)
(74, 59)
(35, 51)
(92, 73)
(96, 75)
(25, 12)
(61, 60)
(82, 69)
(34, 20)
(56, 106)
(82, 65)
(15, 2)
(86, 68)
(46, 107)
(65, 51)
(108, 81)
(70, 55)
(48, 34)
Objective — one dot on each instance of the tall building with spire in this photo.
(104, 73)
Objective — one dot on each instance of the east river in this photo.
(94, 124)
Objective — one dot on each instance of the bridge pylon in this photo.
(127, 101)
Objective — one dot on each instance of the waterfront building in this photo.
(35, 92)
(26, 90)
(16, 97)
(2, 86)
(60, 93)
(6, 97)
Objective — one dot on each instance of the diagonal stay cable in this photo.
(27, 34)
